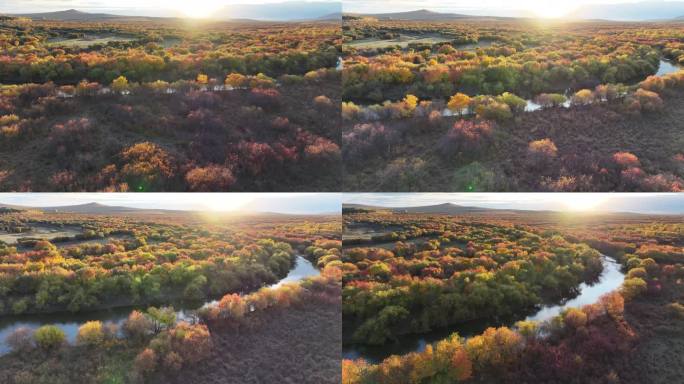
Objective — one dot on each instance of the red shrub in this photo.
(266, 98)
(650, 101)
(63, 180)
(466, 136)
(73, 136)
(281, 123)
(202, 100)
(212, 178)
(541, 152)
(257, 157)
(653, 83)
(662, 183)
(146, 165)
(632, 177)
(626, 160)
(366, 140)
(204, 119)
(145, 362)
(322, 149)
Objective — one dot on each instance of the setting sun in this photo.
(226, 202)
(551, 9)
(197, 9)
(581, 202)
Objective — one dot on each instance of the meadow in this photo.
(483, 104)
(494, 296)
(169, 105)
(169, 296)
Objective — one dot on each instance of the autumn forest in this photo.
(452, 294)
(511, 105)
(91, 295)
(165, 106)
(341, 191)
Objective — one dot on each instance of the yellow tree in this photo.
(120, 84)
(459, 102)
(90, 333)
(202, 78)
(583, 97)
(411, 102)
(236, 80)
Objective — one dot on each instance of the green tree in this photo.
(49, 337)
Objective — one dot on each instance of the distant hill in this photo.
(363, 207)
(102, 209)
(625, 11)
(331, 16)
(74, 15)
(447, 208)
(284, 11)
(89, 208)
(421, 14)
(455, 209)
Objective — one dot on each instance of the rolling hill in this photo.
(91, 208)
(421, 14)
(625, 11)
(284, 11)
(74, 15)
(447, 208)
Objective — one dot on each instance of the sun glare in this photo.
(225, 202)
(197, 9)
(552, 9)
(581, 202)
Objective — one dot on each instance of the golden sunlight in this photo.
(551, 9)
(196, 8)
(226, 202)
(581, 202)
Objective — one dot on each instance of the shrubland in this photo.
(223, 257)
(626, 336)
(216, 107)
(589, 89)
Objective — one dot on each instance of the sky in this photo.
(653, 203)
(301, 9)
(510, 8)
(294, 203)
(157, 8)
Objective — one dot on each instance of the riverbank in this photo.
(299, 341)
(588, 293)
(419, 152)
(70, 322)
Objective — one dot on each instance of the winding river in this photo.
(611, 278)
(70, 322)
(665, 67)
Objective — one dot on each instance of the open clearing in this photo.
(88, 40)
